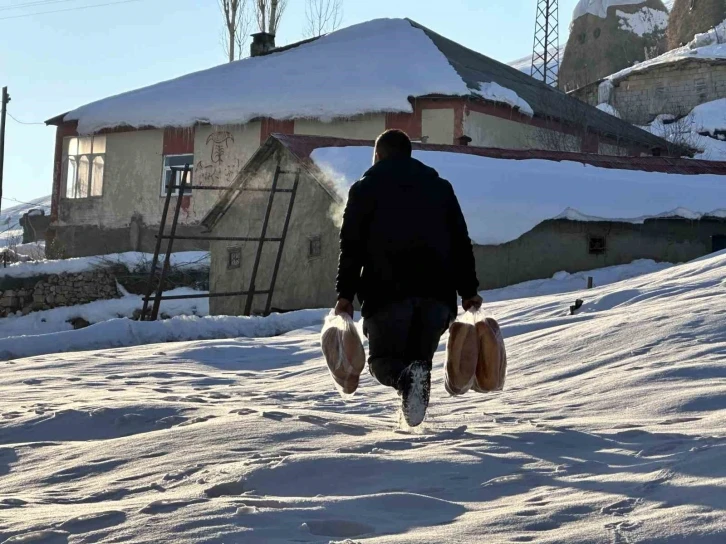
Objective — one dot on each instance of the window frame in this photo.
(77, 159)
(167, 168)
(597, 248)
(312, 240)
(234, 251)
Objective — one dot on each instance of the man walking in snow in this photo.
(405, 252)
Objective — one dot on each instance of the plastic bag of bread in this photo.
(343, 351)
(491, 368)
(462, 350)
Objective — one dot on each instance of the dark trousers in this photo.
(402, 333)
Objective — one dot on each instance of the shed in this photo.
(530, 214)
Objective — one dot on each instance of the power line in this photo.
(33, 4)
(26, 203)
(22, 122)
(68, 9)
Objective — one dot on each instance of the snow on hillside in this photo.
(352, 71)
(611, 429)
(599, 8)
(644, 21)
(503, 199)
(700, 129)
(10, 229)
(525, 63)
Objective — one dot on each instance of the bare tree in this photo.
(237, 23)
(322, 16)
(268, 14)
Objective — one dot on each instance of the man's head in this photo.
(392, 144)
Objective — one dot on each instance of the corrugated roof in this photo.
(475, 68)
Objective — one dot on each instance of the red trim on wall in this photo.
(62, 131)
(410, 123)
(178, 141)
(272, 126)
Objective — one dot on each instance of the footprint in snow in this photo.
(337, 528)
(226, 489)
(166, 506)
(621, 508)
(277, 416)
(93, 522)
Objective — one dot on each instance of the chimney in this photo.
(262, 42)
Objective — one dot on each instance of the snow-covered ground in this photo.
(51, 331)
(611, 429)
(131, 260)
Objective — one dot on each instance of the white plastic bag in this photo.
(343, 351)
(476, 355)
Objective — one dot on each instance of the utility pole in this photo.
(546, 51)
(3, 112)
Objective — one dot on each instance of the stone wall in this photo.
(27, 295)
(669, 89)
(674, 89)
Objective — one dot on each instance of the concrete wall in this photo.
(673, 88)
(363, 127)
(438, 126)
(564, 245)
(302, 282)
(489, 131)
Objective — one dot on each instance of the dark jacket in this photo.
(404, 236)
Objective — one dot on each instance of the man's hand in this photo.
(344, 306)
(472, 304)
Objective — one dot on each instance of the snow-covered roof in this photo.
(352, 71)
(506, 193)
(706, 46)
(502, 198)
(599, 8)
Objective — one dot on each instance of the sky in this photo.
(54, 62)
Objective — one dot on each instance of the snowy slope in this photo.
(525, 63)
(502, 199)
(611, 429)
(10, 229)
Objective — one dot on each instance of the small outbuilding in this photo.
(530, 214)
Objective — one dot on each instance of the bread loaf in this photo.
(461, 358)
(491, 370)
(344, 353)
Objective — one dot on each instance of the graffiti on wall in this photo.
(221, 168)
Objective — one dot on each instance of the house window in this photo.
(174, 172)
(596, 245)
(84, 166)
(234, 258)
(315, 247)
(597, 33)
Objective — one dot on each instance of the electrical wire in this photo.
(69, 9)
(21, 122)
(26, 203)
(33, 4)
